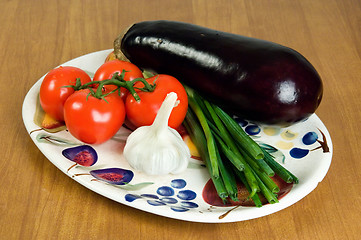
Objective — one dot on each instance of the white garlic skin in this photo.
(156, 155)
(158, 149)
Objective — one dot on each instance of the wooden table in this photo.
(37, 201)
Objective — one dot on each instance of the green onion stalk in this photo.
(230, 154)
(198, 137)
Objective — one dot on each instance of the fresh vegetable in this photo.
(107, 70)
(229, 152)
(143, 112)
(52, 92)
(94, 113)
(254, 79)
(110, 57)
(93, 120)
(158, 149)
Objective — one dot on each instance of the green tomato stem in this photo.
(116, 80)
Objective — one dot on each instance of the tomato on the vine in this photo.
(53, 94)
(143, 113)
(109, 68)
(93, 120)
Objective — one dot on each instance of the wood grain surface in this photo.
(37, 201)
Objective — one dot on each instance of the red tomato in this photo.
(52, 93)
(107, 70)
(93, 120)
(143, 113)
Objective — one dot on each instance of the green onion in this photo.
(282, 172)
(265, 167)
(263, 175)
(271, 185)
(232, 157)
(257, 201)
(220, 127)
(230, 153)
(237, 159)
(251, 179)
(198, 138)
(267, 193)
(238, 133)
(228, 179)
(209, 137)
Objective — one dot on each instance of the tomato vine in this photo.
(116, 80)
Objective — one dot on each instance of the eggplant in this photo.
(253, 79)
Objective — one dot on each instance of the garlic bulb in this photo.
(158, 149)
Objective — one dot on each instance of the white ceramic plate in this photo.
(304, 146)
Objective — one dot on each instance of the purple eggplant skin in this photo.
(254, 79)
